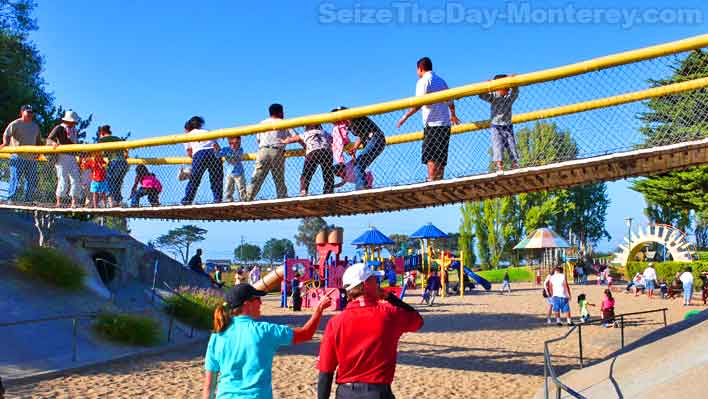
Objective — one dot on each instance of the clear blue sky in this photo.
(144, 66)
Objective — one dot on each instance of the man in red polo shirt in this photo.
(361, 342)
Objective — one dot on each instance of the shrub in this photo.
(127, 329)
(195, 306)
(516, 274)
(51, 266)
(667, 270)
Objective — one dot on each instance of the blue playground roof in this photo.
(429, 231)
(372, 237)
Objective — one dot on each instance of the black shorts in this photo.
(436, 140)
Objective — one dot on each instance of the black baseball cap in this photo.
(26, 107)
(241, 293)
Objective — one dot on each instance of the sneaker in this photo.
(558, 323)
(549, 321)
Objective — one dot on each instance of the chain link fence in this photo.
(321, 158)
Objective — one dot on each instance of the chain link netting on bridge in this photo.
(546, 130)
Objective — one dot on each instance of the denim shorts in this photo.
(650, 284)
(560, 304)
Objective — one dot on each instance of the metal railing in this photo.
(74, 320)
(549, 371)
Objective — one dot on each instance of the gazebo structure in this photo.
(372, 241)
(547, 240)
(427, 236)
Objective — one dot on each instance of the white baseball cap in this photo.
(357, 274)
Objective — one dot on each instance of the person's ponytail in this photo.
(222, 318)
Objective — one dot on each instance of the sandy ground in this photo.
(480, 346)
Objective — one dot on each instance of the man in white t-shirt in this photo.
(204, 158)
(560, 295)
(650, 279)
(271, 155)
(437, 119)
(687, 281)
(547, 295)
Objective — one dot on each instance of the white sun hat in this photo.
(357, 274)
(70, 116)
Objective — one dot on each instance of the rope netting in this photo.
(639, 104)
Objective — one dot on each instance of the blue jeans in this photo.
(152, 194)
(687, 292)
(26, 169)
(201, 162)
(374, 147)
(117, 169)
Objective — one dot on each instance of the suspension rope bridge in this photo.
(582, 123)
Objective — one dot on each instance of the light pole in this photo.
(629, 235)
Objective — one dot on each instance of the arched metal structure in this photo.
(674, 240)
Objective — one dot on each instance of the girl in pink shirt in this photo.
(608, 309)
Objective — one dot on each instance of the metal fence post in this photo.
(545, 374)
(169, 331)
(664, 312)
(73, 343)
(580, 343)
(622, 331)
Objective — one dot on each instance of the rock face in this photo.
(111, 259)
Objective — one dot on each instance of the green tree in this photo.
(465, 238)
(247, 252)
(20, 64)
(277, 249)
(179, 241)
(402, 242)
(306, 232)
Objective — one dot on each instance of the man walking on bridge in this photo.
(436, 120)
(271, 156)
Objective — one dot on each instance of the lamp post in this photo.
(628, 220)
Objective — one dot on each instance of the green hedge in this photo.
(516, 274)
(127, 329)
(195, 306)
(51, 266)
(667, 270)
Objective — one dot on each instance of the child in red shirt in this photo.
(99, 185)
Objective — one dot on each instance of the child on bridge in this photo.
(501, 126)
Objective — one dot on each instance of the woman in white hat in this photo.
(65, 163)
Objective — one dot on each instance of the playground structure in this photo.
(618, 88)
(672, 239)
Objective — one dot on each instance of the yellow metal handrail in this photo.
(395, 105)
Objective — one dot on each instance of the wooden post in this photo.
(462, 279)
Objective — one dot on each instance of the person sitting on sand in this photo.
(241, 348)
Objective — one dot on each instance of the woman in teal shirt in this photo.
(241, 349)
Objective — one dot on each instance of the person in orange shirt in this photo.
(99, 186)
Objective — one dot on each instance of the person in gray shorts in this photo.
(502, 129)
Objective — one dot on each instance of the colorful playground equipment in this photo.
(372, 241)
(427, 236)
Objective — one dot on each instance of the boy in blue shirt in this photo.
(233, 154)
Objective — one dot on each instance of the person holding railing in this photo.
(371, 138)
(117, 165)
(436, 120)
(502, 129)
(318, 152)
(204, 158)
(67, 169)
(22, 131)
(271, 155)
(241, 349)
(233, 155)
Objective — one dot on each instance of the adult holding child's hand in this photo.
(241, 349)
